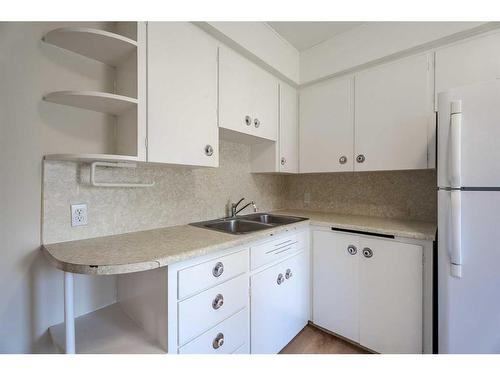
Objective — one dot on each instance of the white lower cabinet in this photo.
(390, 296)
(369, 290)
(225, 338)
(279, 304)
(209, 303)
(335, 284)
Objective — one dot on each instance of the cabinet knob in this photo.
(288, 273)
(218, 269)
(343, 159)
(351, 249)
(248, 120)
(283, 160)
(209, 150)
(367, 252)
(360, 158)
(218, 302)
(218, 341)
(280, 279)
(256, 122)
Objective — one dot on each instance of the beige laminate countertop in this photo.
(418, 230)
(145, 250)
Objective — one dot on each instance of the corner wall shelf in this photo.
(100, 45)
(104, 102)
(89, 158)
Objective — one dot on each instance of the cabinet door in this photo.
(335, 283)
(182, 95)
(394, 115)
(279, 309)
(390, 296)
(326, 127)
(288, 130)
(476, 60)
(246, 90)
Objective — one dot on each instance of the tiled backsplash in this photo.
(180, 195)
(393, 194)
(184, 194)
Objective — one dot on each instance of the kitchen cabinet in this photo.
(326, 127)
(208, 299)
(468, 62)
(248, 97)
(182, 95)
(394, 117)
(369, 290)
(288, 129)
(390, 296)
(231, 301)
(335, 283)
(283, 155)
(279, 304)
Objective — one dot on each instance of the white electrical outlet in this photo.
(307, 198)
(79, 214)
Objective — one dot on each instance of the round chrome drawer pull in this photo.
(280, 279)
(248, 120)
(218, 269)
(343, 159)
(351, 249)
(218, 302)
(209, 150)
(360, 158)
(288, 273)
(218, 341)
(367, 252)
(256, 122)
(283, 161)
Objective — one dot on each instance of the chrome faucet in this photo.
(234, 206)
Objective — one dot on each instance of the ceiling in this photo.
(303, 35)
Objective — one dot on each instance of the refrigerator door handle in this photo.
(456, 234)
(455, 143)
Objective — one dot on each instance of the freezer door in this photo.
(469, 306)
(477, 129)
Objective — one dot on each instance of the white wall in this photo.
(372, 41)
(31, 289)
(260, 40)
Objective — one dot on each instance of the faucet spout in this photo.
(235, 210)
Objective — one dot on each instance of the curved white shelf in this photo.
(100, 45)
(92, 157)
(94, 100)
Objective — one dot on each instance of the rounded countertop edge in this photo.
(159, 262)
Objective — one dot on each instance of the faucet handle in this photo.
(254, 207)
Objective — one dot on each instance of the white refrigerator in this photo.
(469, 219)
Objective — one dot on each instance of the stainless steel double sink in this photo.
(248, 223)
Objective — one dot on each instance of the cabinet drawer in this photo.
(234, 332)
(205, 275)
(279, 248)
(198, 313)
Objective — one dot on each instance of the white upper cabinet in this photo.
(248, 97)
(288, 130)
(281, 156)
(182, 95)
(465, 63)
(394, 116)
(326, 127)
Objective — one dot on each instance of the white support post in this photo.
(69, 313)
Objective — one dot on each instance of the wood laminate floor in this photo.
(312, 340)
